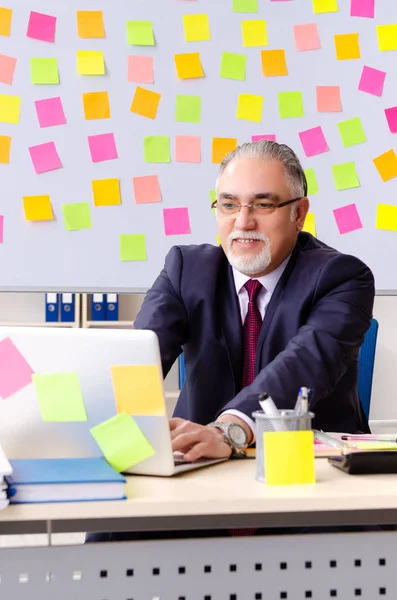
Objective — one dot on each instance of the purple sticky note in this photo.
(266, 136)
(362, 8)
(372, 81)
(176, 221)
(41, 27)
(102, 147)
(15, 373)
(45, 157)
(1, 229)
(313, 141)
(50, 112)
(347, 218)
(391, 116)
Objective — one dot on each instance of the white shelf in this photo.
(38, 324)
(109, 323)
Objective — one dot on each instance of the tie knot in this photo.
(253, 287)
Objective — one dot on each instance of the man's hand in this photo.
(197, 441)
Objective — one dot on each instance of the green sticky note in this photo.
(157, 148)
(233, 66)
(351, 132)
(44, 71)
(59, 397)
(188, 109)
(122, 442)
(140, 33)
(290, 104)
(345, 176)
(245, 6)
(213, 198)
(77, 216)
(312, 185)
(132, 246)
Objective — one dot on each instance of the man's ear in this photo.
(301, 211)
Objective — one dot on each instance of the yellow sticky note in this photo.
(347, 46)
(106, 192)
(310, 224)
(10, 107)
(90, 24)
(5, 21)
(218, 240)
(387, 37)
(386, 217)
(96, 105)
(274, 63)
(37, 208)
(145, 102)
(386, 165)
(5, 148)
(325, 6)
(196, 28)
(90, 62)
(138, 389)
(254, 33)
(188, 66)
(221, 147)
(249, 107)
(289, 457)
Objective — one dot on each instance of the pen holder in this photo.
(284, 448)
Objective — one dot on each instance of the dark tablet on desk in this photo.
(366, 463)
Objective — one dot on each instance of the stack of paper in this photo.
(5, 471)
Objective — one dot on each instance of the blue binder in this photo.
(98, 306)
(67, 308)
(51, 308)
(112, 307)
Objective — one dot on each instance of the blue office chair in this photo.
(181, 364)
(366, 362)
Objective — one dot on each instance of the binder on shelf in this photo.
(112, 307)
(67, 308)
(51, 308)
(98, 312)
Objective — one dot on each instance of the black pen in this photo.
(366, 438)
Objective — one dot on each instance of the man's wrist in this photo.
(226, 418)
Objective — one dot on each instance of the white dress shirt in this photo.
(269, 283)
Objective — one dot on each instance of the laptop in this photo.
(90, 353)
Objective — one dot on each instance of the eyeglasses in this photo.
(259, 208)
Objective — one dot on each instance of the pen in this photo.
(271, 410)
(366, 438)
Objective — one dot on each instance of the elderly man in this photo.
(271, 310)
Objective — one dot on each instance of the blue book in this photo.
(64, 480)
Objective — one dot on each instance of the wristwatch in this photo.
(234, 436)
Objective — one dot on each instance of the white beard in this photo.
(249, 265)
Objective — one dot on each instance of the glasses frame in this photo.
(251, 206)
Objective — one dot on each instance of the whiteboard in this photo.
(45, 256)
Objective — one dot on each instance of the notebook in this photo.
(64, 480)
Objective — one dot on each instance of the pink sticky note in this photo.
(266, 136)
(146, 189)
(328, 98)
(45, 157)
(102, 147)
(41, 27)
(140, 69)
(176, 221)
(7, 68)
(372, 81)
(1, 229)
(187, 148)
(347, 218)
(362, 8)
(306, 37)
(313, 141)
(50, 112)
(15, 373)
(391, 116)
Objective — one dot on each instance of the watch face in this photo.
(237, 436)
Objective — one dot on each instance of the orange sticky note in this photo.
(96, 105)
(347, 46)
(37, 208)
(145, 103)
(274, 63)
(188, 66)
(386, 165)
(138, 389)
(5, 147)
(328, 98)
(5, 21)
(90, 24)
(106, 192)
(146, 189)
(221, 147)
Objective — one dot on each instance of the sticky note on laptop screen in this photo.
(59, 396)
(15, 372)
(138, 389)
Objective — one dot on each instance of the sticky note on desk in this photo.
(138, 389)
(59, 396)
(15, 372)
(386, 217)
(289, 457)
(122, 442)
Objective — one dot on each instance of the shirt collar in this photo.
(268, 281)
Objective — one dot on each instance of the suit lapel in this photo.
(229, 309)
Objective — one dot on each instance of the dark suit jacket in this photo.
(311, 334)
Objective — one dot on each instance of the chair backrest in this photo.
(181, 364)
(366, 362)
